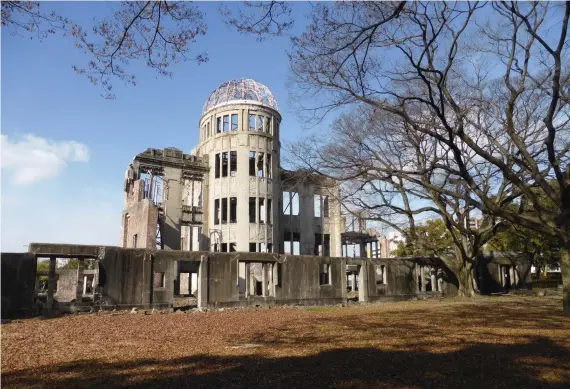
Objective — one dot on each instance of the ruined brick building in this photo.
(230, 194)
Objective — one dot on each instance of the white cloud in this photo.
(32, 158)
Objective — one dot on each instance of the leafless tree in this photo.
(160, 33)
(486, 84)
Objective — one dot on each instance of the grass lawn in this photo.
(488, 342)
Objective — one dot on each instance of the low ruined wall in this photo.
(66, 285)
(18, 284)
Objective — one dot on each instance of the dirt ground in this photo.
(490, 342)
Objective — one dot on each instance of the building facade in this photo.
(230, 194)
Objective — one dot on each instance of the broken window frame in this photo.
(234, 124)
(268, 124)
(325, 200)
(269, 203)
(259, 126)
(253, 246)
(268, 165)
(259, 165)
(290, 203)
(251, 122)
(219, 125)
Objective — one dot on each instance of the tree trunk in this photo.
(465, 281)
(565, 270)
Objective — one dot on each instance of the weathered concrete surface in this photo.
(18, 284)
(144, 277)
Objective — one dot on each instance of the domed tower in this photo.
(239, 134)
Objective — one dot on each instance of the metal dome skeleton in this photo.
(239, 91)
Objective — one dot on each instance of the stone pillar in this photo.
(353, 286)
(343, 280)
(84, 285)
(80, 282)
(362, 247)
(439, 282)
(423, 277)
(384, 277)
(247, 280)
(433, 280)
(264, 279)
(203, 282)
(515, 277)
(51, 283)
(363, 282)
(416, 277)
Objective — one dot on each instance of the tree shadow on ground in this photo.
(538, 363)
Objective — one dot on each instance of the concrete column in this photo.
(363, 282)
(433, 280)
(416, 277)
(203, 282)
(80, 282)
(439, 282)
(353, 286)
(384, 276)
(51, 283)
(515, 276)
(264, 279)
(423, 277)
(84, 285)
(343, 280)
(247, 280)
(362, 246)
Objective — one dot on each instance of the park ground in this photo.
(487, 342)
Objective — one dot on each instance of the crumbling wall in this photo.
(66, 285)
(18, 284)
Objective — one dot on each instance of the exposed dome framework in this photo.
(238, 91)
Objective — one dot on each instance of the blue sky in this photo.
(65, 148)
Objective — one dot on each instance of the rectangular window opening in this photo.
(216, 212)
(317, 202)
(260, 123)
(217, 166)
(325, 206)
(296, 243)
(158, 280)
(253, 247)
(226, 123)
(225, 164)
(224, 210)
(233, 163)
(252, 209)
(224, 247)
(233, 209)
(233, 247)
(234, 122)
(260, 165)
(268, 125)
(251, 122)
(219, 125)
(268, 165)
(324, 274)
(252, 163)
(268, 211)
(135, 238)
(262, 211)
